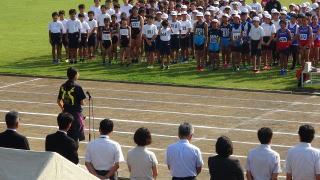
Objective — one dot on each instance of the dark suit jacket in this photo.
(221, 168)
(60, 143)
(11, 139)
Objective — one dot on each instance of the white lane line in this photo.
(179, 103)
(19, 83)
(157, 135)
(178, 113)
(159, 123)
(193, 95)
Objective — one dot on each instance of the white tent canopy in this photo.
(30, 165)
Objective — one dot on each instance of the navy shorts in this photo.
(73, 40)
(165, 48)
(184, 42)
(83, 42)
(114, 39)
(64, 40)
(157, 42)
(106, 44)
(236, 48)
(255, 49)
(150, 48)
(92, 40)
(175, 42)
(245, 48)
(124, 42)
(191, 40)
(56, 39)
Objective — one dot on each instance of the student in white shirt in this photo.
(82, 9)
(185, 36)
(256, 36)
(263, 163)
(175, 37)
(84, 37)
(126, 7)
(100, 20)
(73, 28)
(55, 34)
(256, 6)
(117, 12)
(303, 161)
(149, 34)
(103, 155)
(96, 9)
(64, 34)
(108, 4)
(142, 163)
(92, 41)
(269, 31)
(165, 46)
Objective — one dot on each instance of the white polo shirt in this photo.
(165, 34)
(73, 26)
(93, 24)
(176, 27)
(262, 162)
(126, 9)
(256, 33)
(84, 27)
(96, 10)
(103, 153)
(55, 27)
(101, 17)
(183, 159)
(64, 23)
(303, 162)
(150, 30)
(185, 26)
(268, 29)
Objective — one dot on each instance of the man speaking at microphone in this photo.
(71, 99)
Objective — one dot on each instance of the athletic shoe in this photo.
(265, 68)
(257, 71)
(162, 67)
(201, 69)
(198, 69)
(285, 72)
(167, 67)
(237, 69)
(54, 61)
(269, 67)
(186, 61)
(281, 72)
(233, 69)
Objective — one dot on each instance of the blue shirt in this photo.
(183, 159)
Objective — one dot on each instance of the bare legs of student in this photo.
(214, 60)
(294, 51)
(175, 56)
(256, 62)
(53, 52)
(305, 52)
(124, 56)
(200, 59)
(314, 56)
(245, 59)
(150, 58)
(135, 49)
(91, 51)
(267, 59)
(283, 61)
(164, 62)
(73, 55)
(105, 53)
(82, 53)
(236, 58)
(114, 53)
(226, 52)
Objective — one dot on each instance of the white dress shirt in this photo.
(262, 162)
(183, 159)
(303, 162)
(103, 153)
(73, 26)
(55, 27)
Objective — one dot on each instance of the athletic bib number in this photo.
(235, 36)
(283, 39)
(135, 24)
(213, 39)
(106, 37)
(225, 33)
(303, 36)
(124, 32)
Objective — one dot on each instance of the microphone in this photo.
(88, 94)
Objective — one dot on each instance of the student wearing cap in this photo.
(294, 51)
(236, 35)
(314, 53)
(244, 6)
(269, 31)
(225, 28)
(200, 35)
(283, 44)
(214, 42)
(175, 39)
(246, 26)
(305, 40)
(184, 36)
(256, 36)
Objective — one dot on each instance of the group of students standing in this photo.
(216, 34)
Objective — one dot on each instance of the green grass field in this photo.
(24, 49)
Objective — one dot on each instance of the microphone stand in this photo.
(89, 117)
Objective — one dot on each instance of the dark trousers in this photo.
(184, 178)
(103, 173)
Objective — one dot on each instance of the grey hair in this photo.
(185, 129)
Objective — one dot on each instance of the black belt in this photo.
(184, 178)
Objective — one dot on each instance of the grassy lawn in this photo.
(24, 49)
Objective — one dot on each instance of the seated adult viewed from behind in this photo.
(60, 142)
(10, 138)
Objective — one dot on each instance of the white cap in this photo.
(268, 16)
(233, 3)
(233, 12)
(260, 16)
(184, 7)
(184, 13)
(304, 5)
(195, 11)
(274, 11)
(199, 7)
(215, 20)
(256, 18)
(318, 0)
(245, 10)
(173, 13)
(199, 14)
(284, 8)
(216, 9)
(179, 14)
(307, 3)
(292, 4)
(159, 12)
(225, 15)
(236, 16)
(164, 16)
(216, 3)
(225, 0)
(283, 12)
(210, 8)
(315, 6)
(207, 13)
(227, 7)
(265, 12)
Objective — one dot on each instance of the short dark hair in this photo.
(54, 14)
(114, 16)
(106, 126)
(185, 129)
(72, 11)
(64, 120)
(165, 23)
(265, 135)
(12, 118)
(71, 73)
(91, 12)
(224, 146)
(106, 19)
(283, 22)
(80, 15)
(81, 6)
(61, 12)
(306, 133)
(103, 6)
(142, 137)
(116, 6)
(150, 16)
